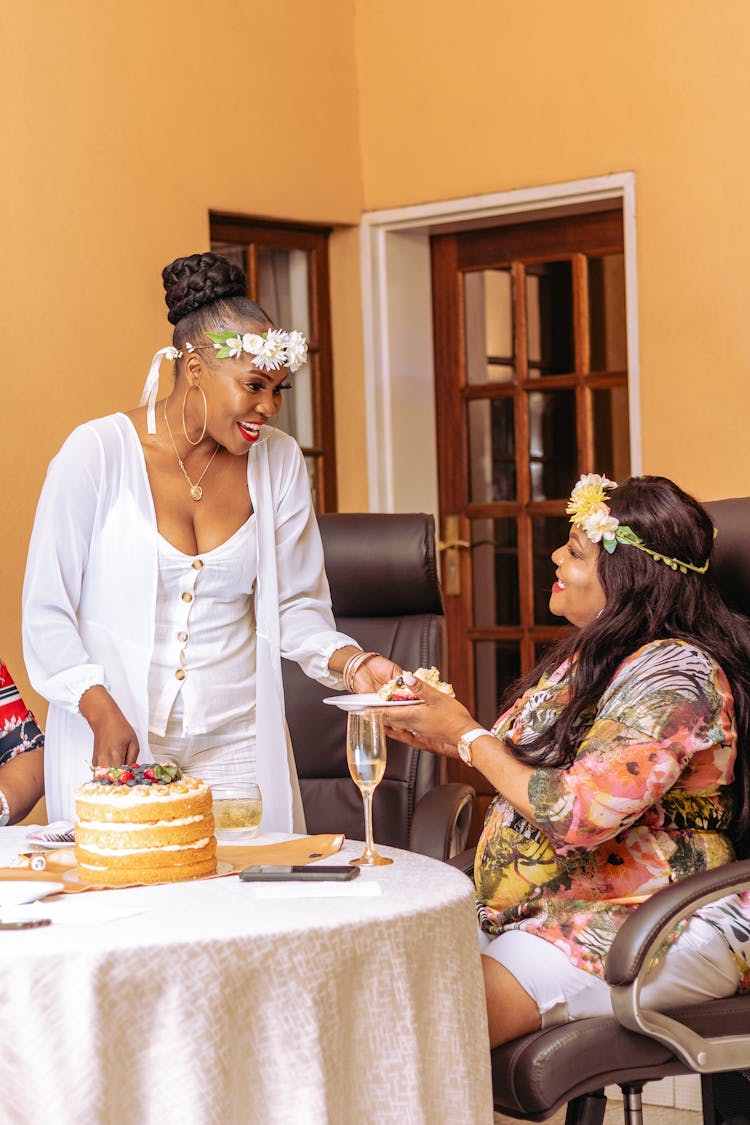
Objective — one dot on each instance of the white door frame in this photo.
(397, 324)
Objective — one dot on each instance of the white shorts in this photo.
(223, 756)
(699, 966)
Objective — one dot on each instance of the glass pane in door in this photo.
(497, 664)
(611, 432)
(283, 295)
(553, 454)
(494, 555)
(488, 326)
(547, 534)
(549, 314)
(492, 450)
(607, 324)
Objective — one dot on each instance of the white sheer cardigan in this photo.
(90, 593)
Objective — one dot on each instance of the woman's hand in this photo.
(115, 741)
(439, 722)
(435, 724)
(375, 672)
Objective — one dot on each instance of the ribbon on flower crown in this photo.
(151, 386)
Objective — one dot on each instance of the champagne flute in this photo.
(365, 755)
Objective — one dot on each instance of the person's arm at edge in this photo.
(22, 782)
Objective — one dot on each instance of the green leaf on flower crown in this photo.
(627, 535)
(224, 353)
(609, 545)
(220, 337)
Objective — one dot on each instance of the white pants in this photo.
(223, 755)
(219, 758)
(699, 966)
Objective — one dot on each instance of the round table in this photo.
(216, 1004)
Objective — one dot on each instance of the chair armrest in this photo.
(630, 957)
(464, 861)
(441, 820)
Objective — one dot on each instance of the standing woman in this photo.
(175, 558)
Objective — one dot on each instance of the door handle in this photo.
(451, 546)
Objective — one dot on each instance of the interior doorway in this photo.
(531, 389)
(401, 351)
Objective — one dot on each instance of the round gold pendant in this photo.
(196, 492)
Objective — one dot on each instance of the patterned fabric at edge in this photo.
(18, 727)
(647, 800)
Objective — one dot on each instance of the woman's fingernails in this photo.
(409, 679)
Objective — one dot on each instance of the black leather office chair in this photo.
(534, 1075)
(382, 571)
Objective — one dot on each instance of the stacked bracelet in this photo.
(352, 666)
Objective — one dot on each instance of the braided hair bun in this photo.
(190, 283)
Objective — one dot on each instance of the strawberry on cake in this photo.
(396, 690)
(144, 824)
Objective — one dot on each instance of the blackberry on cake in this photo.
(144, 824)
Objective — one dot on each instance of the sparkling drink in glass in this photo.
(366, 756)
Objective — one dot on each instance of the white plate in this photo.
(361, 702)
(15, 892)
(45, 837)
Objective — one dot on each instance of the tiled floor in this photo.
(652, 1115)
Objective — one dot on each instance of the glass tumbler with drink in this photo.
(238, 808)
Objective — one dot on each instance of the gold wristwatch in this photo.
(464, 743)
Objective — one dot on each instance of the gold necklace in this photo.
(195, 489)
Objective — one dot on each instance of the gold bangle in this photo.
(352, 666)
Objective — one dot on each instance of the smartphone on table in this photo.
(282, 872)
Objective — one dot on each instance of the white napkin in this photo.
(69, 911)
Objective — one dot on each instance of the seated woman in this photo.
(619, 763)
(21, 754)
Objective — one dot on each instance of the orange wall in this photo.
(122, 125)
(497, 95)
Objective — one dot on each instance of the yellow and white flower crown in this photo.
(589, 511)
(270, 351)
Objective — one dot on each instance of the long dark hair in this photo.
(649, 601)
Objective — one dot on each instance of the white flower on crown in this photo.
(252, 343)
(232, 346)
(296, 350)
(272, 355)
(599, 524)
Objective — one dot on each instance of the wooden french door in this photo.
(531, 390)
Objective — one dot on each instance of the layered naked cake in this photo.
(144, 824)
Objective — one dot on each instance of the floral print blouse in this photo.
(18, 728)
(647, 800)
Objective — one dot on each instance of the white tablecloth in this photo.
(215, 1006)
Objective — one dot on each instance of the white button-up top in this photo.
(204, 635)
(89, 602)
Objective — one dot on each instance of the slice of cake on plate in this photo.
(396, 690)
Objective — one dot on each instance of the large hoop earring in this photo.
(195, 387)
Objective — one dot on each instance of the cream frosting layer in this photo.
(138, 826)
(124, 795)
(194, 844)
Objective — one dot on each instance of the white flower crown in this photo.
(589, 511)
(270, 350)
